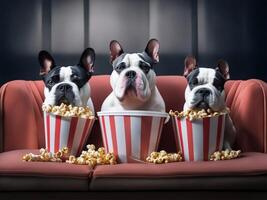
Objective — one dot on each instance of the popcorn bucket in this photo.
(71, 132)
(199, 138)
(131, 135)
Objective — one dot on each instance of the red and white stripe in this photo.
(131, 138)
(71, 132)
(198, 139)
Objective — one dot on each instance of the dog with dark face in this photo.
(133, 79)
(205, 90)
(68, 84)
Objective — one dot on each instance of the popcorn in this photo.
(90, 157)
(69, 111)
(46, 156)
(198, 113)
(225, 155)
(93, 157)
(164, 157)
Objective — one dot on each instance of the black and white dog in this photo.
(205, 90)
(69, 84)
(133, 79)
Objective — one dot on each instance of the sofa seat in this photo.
(18, 175)
(248, 172)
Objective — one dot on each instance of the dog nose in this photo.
(64, 87)
(203, 92)
(130, 74)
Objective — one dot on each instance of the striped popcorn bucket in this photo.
(131, 135)
(199, 138)
(71, 132)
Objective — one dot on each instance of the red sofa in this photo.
(22, 131)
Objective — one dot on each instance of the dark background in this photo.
(235, 30)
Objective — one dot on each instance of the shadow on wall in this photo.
(27, 67)
(233, 30)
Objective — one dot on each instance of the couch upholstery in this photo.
(22, 130)
(18, 175)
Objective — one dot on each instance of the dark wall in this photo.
(236, 31)
(233, 30)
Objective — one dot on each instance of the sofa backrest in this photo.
(22, 126)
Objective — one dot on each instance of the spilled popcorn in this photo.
(225, 155)
(198, 114)
(93, 157)
(46, 156)
(164, 157)
(69, 111)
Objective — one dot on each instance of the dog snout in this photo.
(203, 92)
(131, 74)
(64, 87)
(64, 94)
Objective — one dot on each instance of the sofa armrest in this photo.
(247, 101)
(21, 117)
(2, 89)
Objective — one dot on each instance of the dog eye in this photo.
(75, 77)
(144, 66)
(49, 82)
(78, 80)
(120, 67)
(53, 80)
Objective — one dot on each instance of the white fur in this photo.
(148, 96)
(65, 73)
(206, 75)
(82, 97)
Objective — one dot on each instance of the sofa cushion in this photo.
(16, 174)
(246, 172)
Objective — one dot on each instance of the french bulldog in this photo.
(205, 90)
(68, 84)
(133, 79)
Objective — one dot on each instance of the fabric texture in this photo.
(247, 172)
(11, 163)
(18, 175)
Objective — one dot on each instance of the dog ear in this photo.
(87, 60)
(115, 50)
(152, 49)
(190, 64)
(46, 62)
(223, 68)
